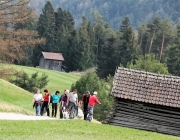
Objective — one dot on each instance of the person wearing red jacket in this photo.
(92, 101)
(46, 101)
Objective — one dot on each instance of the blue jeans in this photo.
(37, 107)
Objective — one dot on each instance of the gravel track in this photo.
(17, 116)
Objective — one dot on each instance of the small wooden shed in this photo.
(50, 60)
(146, 101)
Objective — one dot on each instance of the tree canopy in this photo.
(148, 63)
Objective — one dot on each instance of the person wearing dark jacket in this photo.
(85, 100)
(63, 101)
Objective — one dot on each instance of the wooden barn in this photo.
(146, 101)
(52, 61)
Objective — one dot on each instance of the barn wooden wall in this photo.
(50, 64)
(145, 116)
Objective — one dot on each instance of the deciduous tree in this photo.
(15, 42)
(148, 63)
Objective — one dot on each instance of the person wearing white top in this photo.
(72, 104)
(37, 101)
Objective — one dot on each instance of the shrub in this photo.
(30, 83)
(91, 82)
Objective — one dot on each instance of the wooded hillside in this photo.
(153, 47)
(139, 11)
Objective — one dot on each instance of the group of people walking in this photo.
(68, 102)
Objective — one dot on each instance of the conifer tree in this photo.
(46, 26)
(153, 29)
(165, 37)
(65, 37)
(46, 29)
(85, 51)
(98, 29)
(128, 48)
(107, 62)
(173, 58)
(143, 38)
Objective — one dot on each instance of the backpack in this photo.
(51, 99)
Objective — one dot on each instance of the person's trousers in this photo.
(72, 110)
(54, 109)
(45, 105)
(90, 113)
(85, 112)
(60, 111)
(61, 108)
(37, 107)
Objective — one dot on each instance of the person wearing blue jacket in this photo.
(55, 101)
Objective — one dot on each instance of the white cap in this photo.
(95, 93)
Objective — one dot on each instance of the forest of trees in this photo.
(138, 11)
(98, 45)
(153, 47)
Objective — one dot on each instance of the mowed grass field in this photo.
(15, 99)
(57, 80)
(72, 130)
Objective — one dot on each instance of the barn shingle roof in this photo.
(146, 87)
(53, 56)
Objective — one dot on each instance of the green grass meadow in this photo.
(57, 80)
(72, 130)
(15, 99)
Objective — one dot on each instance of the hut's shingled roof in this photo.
(53, 56)
(146, 87)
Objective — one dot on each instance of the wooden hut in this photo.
(50, 60)
(146, 101)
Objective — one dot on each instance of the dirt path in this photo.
(17, 116)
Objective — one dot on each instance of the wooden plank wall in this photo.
(145, 116)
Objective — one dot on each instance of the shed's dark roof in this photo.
(146, 87)
(53, 56)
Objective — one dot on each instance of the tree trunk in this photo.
(141, 40)
(151, 42)
(162, 47)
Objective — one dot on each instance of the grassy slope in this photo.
(57, 80)
(15, 99)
